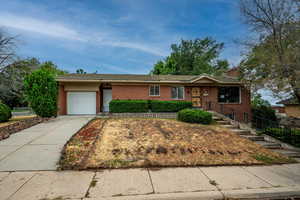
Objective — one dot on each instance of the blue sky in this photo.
(117, 36)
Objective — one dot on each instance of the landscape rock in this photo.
(17, 126)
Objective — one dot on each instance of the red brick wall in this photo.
(278, 109)
(142, 92)
(233, 72)
(62, 101)
(226, 108)
(97, 101)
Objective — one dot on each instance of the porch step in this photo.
(289, 153)
(241, 132)
(230, 126)
(269, 145)
(217, 118)
(253, 137)
(223, 122)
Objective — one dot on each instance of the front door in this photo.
(196, 97)
(107, 97)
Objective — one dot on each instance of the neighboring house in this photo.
(291, 107)
(91, 93)
(235, 72)
(278, 109)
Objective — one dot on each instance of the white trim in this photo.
(208, 77)
(154, 90)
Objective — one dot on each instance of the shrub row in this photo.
(5, 113)
(169, 106)
(194, 116)
(135, 106)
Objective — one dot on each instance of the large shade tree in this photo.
(273, 62)
(7, 47)
(12, 79)
(193, 57)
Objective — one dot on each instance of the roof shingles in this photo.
(146, 78)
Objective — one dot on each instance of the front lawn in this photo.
(116, 143)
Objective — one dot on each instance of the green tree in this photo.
(193, 57)
(11, 81)
(81, 71)
(52, 68)
(257, 101)
(273, 61)
(41, 92)
(263, 116)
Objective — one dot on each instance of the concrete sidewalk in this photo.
(39, 147)
(166, 183)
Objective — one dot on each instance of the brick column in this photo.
(62, 101)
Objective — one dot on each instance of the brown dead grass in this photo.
(157, 142)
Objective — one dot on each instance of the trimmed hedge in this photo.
(130, 106)
(169, 106)
(135, 106)
(194, 116)
(5, 113)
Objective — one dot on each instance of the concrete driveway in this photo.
(39, 147)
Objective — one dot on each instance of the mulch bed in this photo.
(78, 148)
(122, 143)
(6, 131)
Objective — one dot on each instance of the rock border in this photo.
(17, 126)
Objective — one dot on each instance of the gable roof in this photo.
(290, 101)
(144, 78)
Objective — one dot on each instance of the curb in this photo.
(266, 193)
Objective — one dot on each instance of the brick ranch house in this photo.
(91, 93)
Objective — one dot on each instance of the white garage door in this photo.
(81, 103)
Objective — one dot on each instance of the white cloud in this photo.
(121, 70)
(38, 26)
(60, 30)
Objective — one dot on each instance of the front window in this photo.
(177, 92)
(154, 90)
(229, 95)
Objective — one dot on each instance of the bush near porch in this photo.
(136, 106)
(194, 116)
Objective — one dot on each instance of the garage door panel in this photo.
(81, 103)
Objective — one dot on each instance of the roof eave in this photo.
(138, 81)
